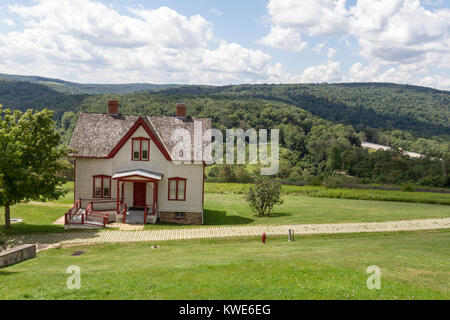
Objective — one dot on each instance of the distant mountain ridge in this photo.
(421, 110)
(68, 87)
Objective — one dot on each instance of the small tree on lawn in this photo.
(31, 161)
(264, 195)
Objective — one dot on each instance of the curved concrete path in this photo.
(112, 236)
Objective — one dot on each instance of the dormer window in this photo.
(140, 149)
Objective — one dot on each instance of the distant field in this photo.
(230, 209)
(413, 266)
(323, 192)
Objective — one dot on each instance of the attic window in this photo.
(140, 149)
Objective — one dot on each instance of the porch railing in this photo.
(104, 205)
(112, 201)
(73, 213)
(149, 210)
(95, 217)
(123, 210)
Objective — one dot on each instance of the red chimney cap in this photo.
(113, 107)
(181, 110)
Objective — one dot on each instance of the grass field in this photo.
(39, 217)
(323, 192)
(231, 209)
(413, 266)
(225, 205)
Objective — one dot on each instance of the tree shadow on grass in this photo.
(25, 228)
(22, 233)
(276, 215)
(215, 217)
(7, 273)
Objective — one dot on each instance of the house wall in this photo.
(86, 168)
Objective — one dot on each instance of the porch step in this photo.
(72, 226)
(152, 219)
(135, 217)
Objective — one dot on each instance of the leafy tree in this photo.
(335, 158)
(227, 173)
(264, 195)
(242, 174)
(214, 171)
(32, 161)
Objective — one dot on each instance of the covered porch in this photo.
(137, 196)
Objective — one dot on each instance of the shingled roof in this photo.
(96, 135)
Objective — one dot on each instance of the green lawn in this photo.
(414, 265)
(39, 217)
(231, 209)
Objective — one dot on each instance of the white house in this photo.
(125, 169)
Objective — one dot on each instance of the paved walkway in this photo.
(126, 227)
(114, 236)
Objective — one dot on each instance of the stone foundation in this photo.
(17, 254)
(194, 218)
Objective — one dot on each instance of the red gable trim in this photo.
(139, 122)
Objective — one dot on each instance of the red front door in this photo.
(139, 191)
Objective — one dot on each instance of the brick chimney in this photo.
(181, 110)
(113, 107)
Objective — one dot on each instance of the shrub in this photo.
(340, 181)
(214, 171)
(407, 188)
(431, 181)
(313, 181)
(227, 173)
(4, 243)
(294, 177)
(264, 195)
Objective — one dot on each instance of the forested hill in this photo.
(377, 105)
(23, 95)
(86, 88)
(321, 125)
(422, 111)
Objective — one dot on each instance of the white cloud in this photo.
(403, 74)
(400, 34)
(400, 31)
(87, 41)
(330, 53)
(284, 38)
(319, 47)
(216, 11)
(8, 22)
(318, 17)
(435, 81)
(433, 2)
(360, 73)
(329, 72)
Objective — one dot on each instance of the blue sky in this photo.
(228, 42)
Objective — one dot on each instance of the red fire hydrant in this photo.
(263, 238)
